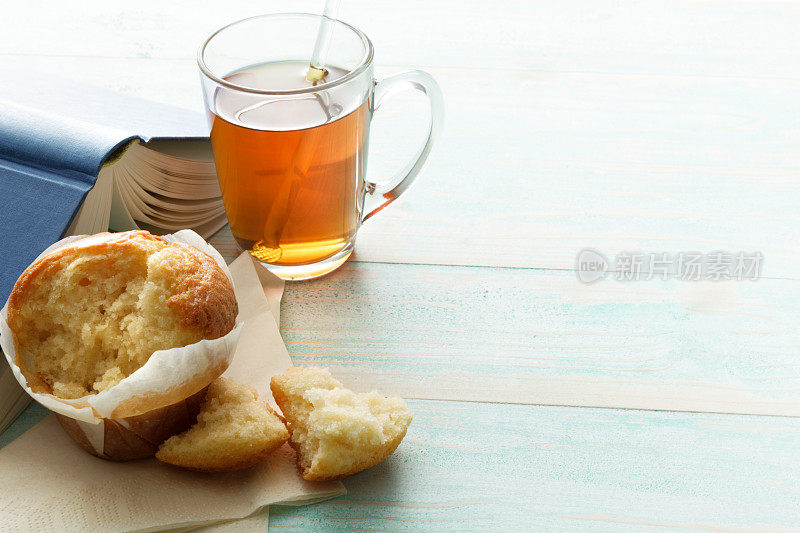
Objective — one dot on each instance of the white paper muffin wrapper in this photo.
(165, 370)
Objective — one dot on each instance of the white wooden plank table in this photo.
(540, 402)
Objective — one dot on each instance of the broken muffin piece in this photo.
(336, 432)
(233, 431)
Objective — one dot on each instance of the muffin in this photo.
(336, 432)
(233, 431)
(88, 315)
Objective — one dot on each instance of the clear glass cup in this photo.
(291, 157)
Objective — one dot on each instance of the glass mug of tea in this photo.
(291, 156)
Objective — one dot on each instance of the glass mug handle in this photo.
(379, 195)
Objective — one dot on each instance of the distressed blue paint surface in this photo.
(488, 334)
(478, 467)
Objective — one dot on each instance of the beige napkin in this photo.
(50, 484)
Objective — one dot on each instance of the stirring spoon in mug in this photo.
(316, 70)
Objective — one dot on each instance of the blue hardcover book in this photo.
(76, 159)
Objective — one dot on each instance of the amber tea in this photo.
(291, 171)
(291, 154)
